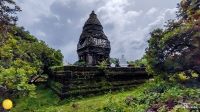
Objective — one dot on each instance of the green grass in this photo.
(145, 96)
(47, 101)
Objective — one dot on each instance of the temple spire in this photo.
(93, 19)
(92, 12)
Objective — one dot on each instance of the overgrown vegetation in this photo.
(83, 64)
(102, 66)
(154, 95)
(138, 63)
(176, 48)
(22, 56)
(113, 60)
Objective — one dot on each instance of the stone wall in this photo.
(71, 81)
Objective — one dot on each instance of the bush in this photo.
(102, 66)
(83, 64)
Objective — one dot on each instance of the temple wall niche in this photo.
(90, 59)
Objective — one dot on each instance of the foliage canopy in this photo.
(7, 12)
(22, 56)
(177, 47)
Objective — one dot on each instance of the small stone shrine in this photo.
(93, 46)
(123, 62)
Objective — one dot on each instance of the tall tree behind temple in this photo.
(177, 48)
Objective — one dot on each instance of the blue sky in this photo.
(126, 23)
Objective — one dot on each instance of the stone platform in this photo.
(72, 81)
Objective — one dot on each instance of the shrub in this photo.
(83, 64)
(102, 66)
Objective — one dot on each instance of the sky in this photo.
(126, 23)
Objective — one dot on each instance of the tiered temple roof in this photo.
(93, 46)
(93, 19)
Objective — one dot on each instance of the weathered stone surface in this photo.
(75, 81)
(93, 46)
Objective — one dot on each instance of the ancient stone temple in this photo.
(93, 46)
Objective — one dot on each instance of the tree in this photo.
(15, 70)
(113, 60)
(138, 62)
(21, 54)
(177, 48)
(83, 64)
(7, 10)
(76, 63)
(37, 50)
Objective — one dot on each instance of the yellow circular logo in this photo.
(7, 104)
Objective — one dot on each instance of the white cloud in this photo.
(113, 12)
(132, 44)
(67, 51)
(168, 14)
(130, 16)
(31, 9)
(152, 11)
(36, 20)
(40, 33)
(69, 21)
(63, 2)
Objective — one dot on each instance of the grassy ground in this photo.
(160, 96)
(47, 101)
